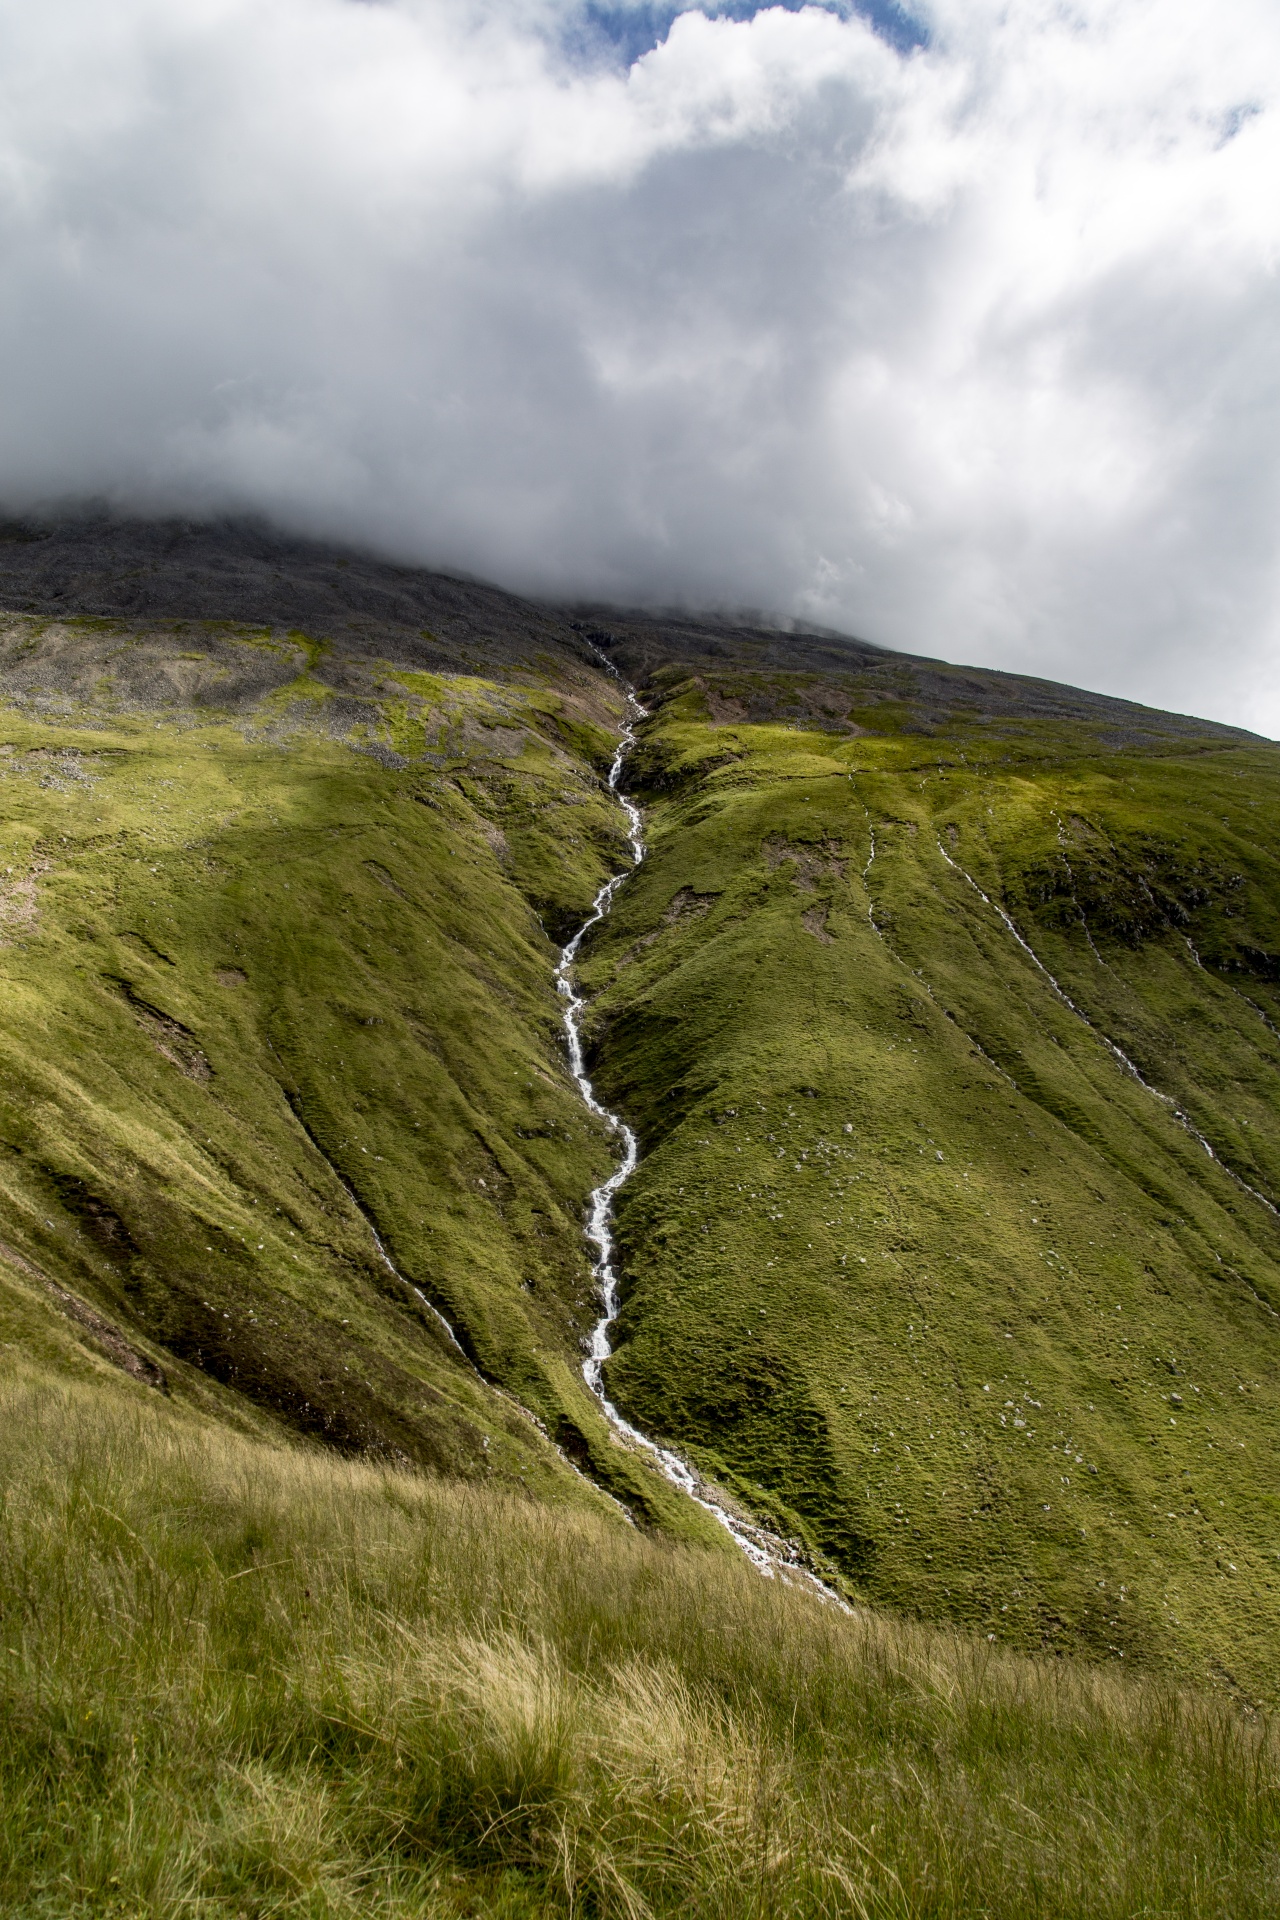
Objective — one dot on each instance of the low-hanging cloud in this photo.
(969, 348)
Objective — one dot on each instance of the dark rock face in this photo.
(167, 574)
(838, 684)
(164, 573)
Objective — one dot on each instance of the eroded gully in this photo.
(766, 1551)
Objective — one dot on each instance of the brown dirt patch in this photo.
(19, 902)
(811, 863)
(687, 905)
(174, 1042)
(105, 1336)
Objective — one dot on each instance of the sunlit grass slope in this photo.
(946, 1006)
(914, 1259)
(277, 982)
(246, 1679)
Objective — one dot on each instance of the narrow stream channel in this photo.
(1117, 1052)
(765, 1550)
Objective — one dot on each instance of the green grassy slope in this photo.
(913, 1260)
(278, 978)
(952, 1252)
(966, 1278)
(255, 1680)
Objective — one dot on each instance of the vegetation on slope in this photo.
(947, 1008)
(242, 1679)
(278, 949)
(913, 1259)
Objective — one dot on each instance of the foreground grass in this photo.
(249, 1680)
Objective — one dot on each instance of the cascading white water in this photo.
(764, 1550)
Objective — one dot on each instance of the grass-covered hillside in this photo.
(277, 926)
(251, 1681)
(946, 1006)
(971, 1278)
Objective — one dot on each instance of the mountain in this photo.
(945, 1006)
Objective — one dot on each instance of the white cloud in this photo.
(973, 352)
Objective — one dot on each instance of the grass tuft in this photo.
(255, 1680)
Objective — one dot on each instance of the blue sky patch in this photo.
(620, 32)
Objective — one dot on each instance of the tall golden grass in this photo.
(246, 1681)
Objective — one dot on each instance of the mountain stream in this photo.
(766, 1551)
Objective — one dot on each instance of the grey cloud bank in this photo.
(972, 351)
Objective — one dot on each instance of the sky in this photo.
(953, 325)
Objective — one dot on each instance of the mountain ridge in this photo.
(945, 1008)
(293, 837)
(246, 572)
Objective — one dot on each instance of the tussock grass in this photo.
(246, 1680)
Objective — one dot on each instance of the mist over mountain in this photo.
(954, 329)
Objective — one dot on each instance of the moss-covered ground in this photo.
(913, 1259)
